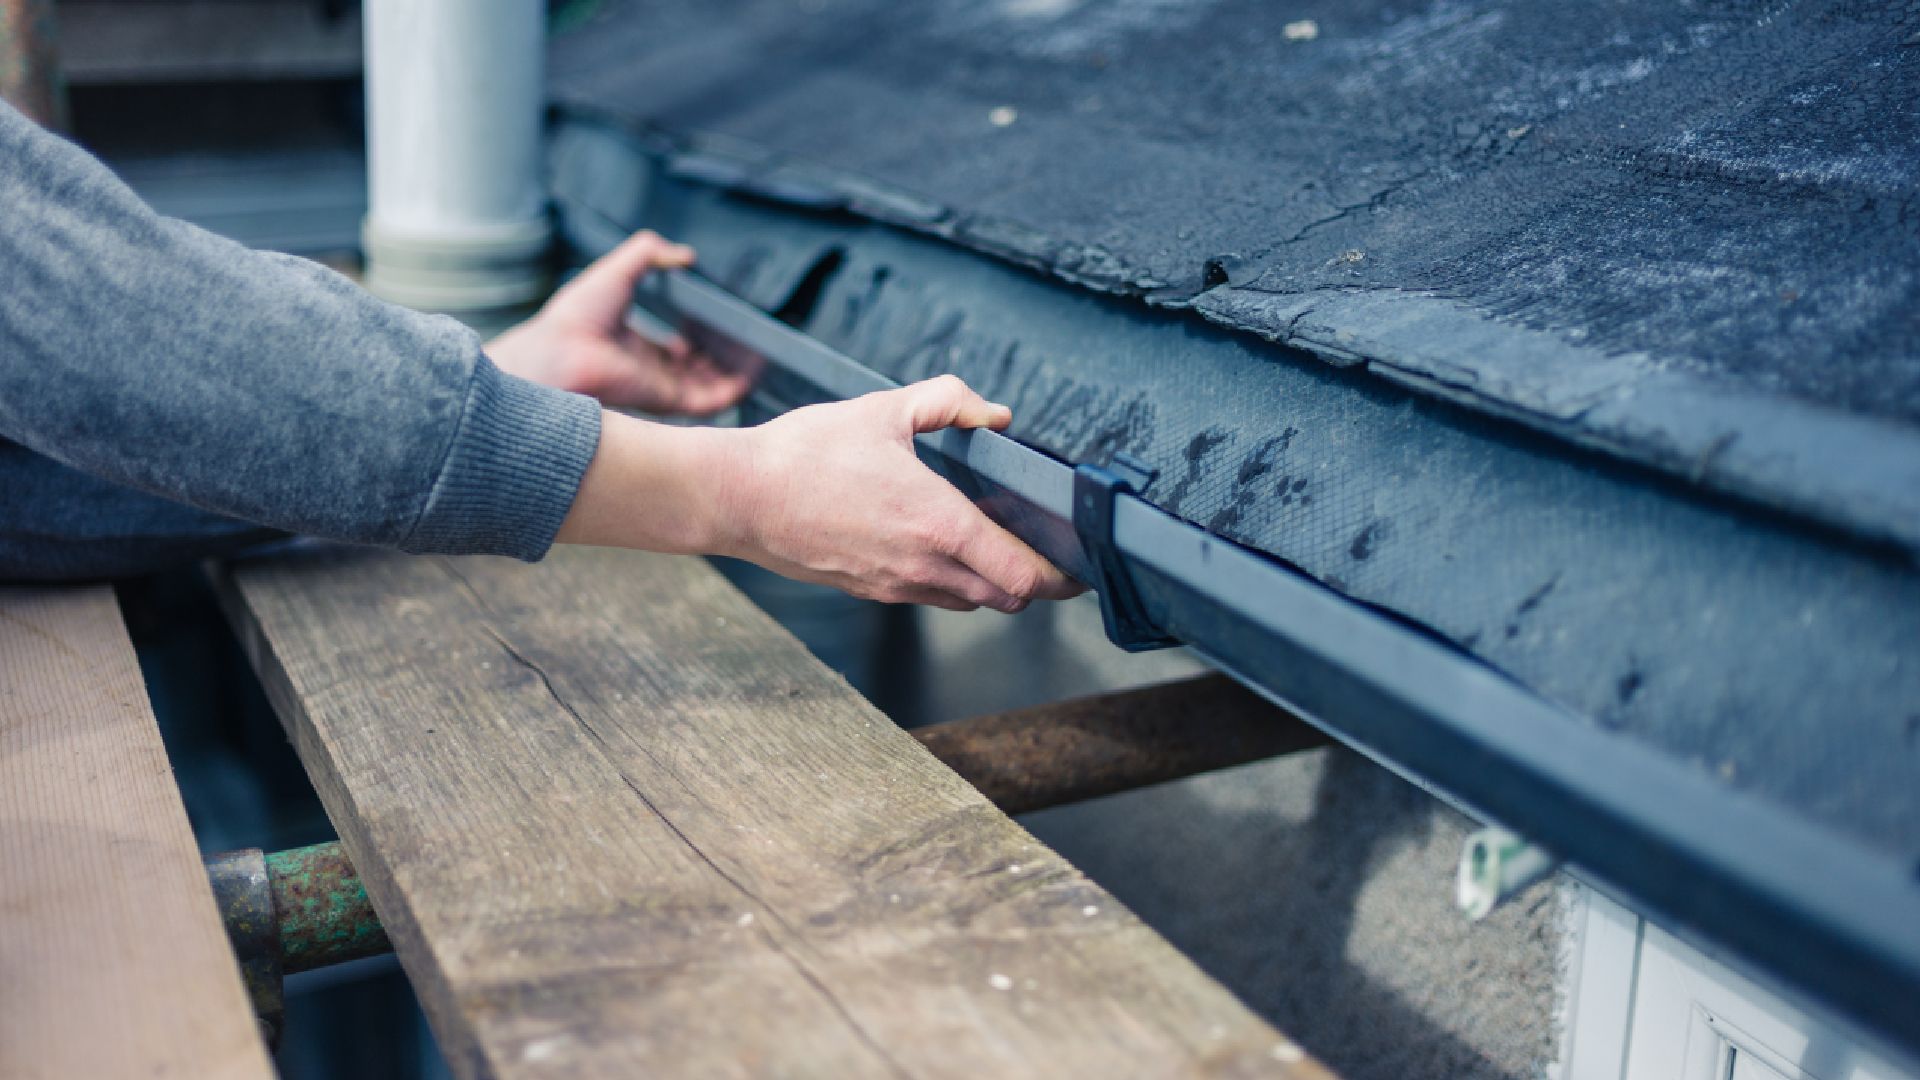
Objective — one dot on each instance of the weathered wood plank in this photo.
(617, 822)
(113, 962)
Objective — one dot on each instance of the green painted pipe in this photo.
(288, 912)
(325, 917)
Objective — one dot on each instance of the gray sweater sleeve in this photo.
(149, 353)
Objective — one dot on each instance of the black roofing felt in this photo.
(1686, 232)
(1780, 659)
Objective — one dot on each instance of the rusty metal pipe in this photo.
(245, 899)
(30, 62)
(1069, 751)
(289, 912)
(324, 914)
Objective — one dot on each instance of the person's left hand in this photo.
(580, 341)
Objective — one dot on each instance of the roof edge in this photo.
(1859, 476)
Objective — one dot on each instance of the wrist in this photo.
(521, 350)
(722, 474)
(658, 488)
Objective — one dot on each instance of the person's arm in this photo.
(146, 352)
(832, 494)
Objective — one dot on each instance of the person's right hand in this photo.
(834, 494)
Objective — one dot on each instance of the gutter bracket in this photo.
(1095, 487)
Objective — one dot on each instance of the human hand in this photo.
(834, 494)
(580, 341)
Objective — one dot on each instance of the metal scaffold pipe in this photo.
(292, 911)
(1070, 751)
(324, 915)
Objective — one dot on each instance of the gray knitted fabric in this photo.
(167, 394)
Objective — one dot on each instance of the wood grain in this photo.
(113, 962)
(619, 823)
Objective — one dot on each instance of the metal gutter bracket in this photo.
(1094, 489)
(1496, 866)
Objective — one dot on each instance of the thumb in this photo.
(604, 290)
(945, 402)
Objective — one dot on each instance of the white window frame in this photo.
(1642, 1005)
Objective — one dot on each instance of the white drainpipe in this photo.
(457, 219)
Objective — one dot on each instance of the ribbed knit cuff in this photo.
(512, 472)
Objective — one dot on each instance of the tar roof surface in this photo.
(1688, 233)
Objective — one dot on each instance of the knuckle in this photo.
(989, 595)
(992, 596)
(929, 533)
(976, 590)
(962, 525)
(946, 539)
(1034, 574)
(925, 573)
(959, 599)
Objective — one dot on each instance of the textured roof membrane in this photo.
(1686, 233)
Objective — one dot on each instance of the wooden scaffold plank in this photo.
(617, 822)
(113, 962)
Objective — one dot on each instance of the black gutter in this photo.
(1818, 915)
